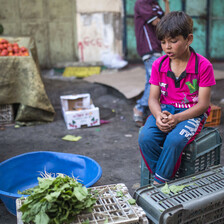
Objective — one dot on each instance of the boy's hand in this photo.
(169, 119)
(162, 122)
(172, 121)
(166, 121)
(165, 115)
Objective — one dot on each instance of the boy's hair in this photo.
(174, 24)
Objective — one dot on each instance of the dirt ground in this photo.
(113, 145)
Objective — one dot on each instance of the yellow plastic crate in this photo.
(214, 117)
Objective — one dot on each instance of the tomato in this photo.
(3, 41)
(4, 52)
(23, 49)
(25, 54)
(16, 49)
(9, 49)
(15, 45)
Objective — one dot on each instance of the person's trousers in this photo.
(142, 104)
(162, 151)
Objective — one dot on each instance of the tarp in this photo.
(21, 83)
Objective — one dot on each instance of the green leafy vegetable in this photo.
(132, 201)
(86, 221)
(120, 194)
(173, 188)
(165, 189)
(56, 200)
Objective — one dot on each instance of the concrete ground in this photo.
(114, 145)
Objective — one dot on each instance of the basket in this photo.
(214, 117)
(6, 114)
(112, 206)
(201, 153)
(200, 202)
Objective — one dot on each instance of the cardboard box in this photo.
(78, 111)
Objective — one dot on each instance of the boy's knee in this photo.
(141, 138)
(144, 138)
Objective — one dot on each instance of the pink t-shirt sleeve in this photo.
(207, 77)
(154, 79)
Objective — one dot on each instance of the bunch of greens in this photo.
(56, 200)
(173, 188)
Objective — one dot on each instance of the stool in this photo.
(201, 153)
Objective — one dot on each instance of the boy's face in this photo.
(176, 47)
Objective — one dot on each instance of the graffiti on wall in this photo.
(95, 37)
(89, 42)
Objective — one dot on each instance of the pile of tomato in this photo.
(12, 49)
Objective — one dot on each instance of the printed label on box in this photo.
(84, 117)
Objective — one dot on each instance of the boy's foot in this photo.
(138, 117)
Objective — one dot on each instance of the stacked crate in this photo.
(201, 153)
(200, 201)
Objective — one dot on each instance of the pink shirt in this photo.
(182, 92)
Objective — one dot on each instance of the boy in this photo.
(179, 97)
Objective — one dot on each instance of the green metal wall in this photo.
(208, 18)
(216, 24)
(130, 45)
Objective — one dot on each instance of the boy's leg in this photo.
(150, 141)
(170, 158)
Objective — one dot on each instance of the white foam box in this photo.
(79, 111)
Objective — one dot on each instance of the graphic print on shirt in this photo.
(195, 98)
(193, 87)
(185, 100)
(163, 86)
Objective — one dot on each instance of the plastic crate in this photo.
(112, 206)
(6, 114)
(214, 117)
(201, 153)
(201, 202)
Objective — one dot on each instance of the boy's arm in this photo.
(154, 106)
(204, 96)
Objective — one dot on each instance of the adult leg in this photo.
(176, 141)
(140, 109)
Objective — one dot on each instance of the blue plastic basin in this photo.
(21, 172)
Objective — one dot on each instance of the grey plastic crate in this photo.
(201, 153)
(201, 202)
(112, 206)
